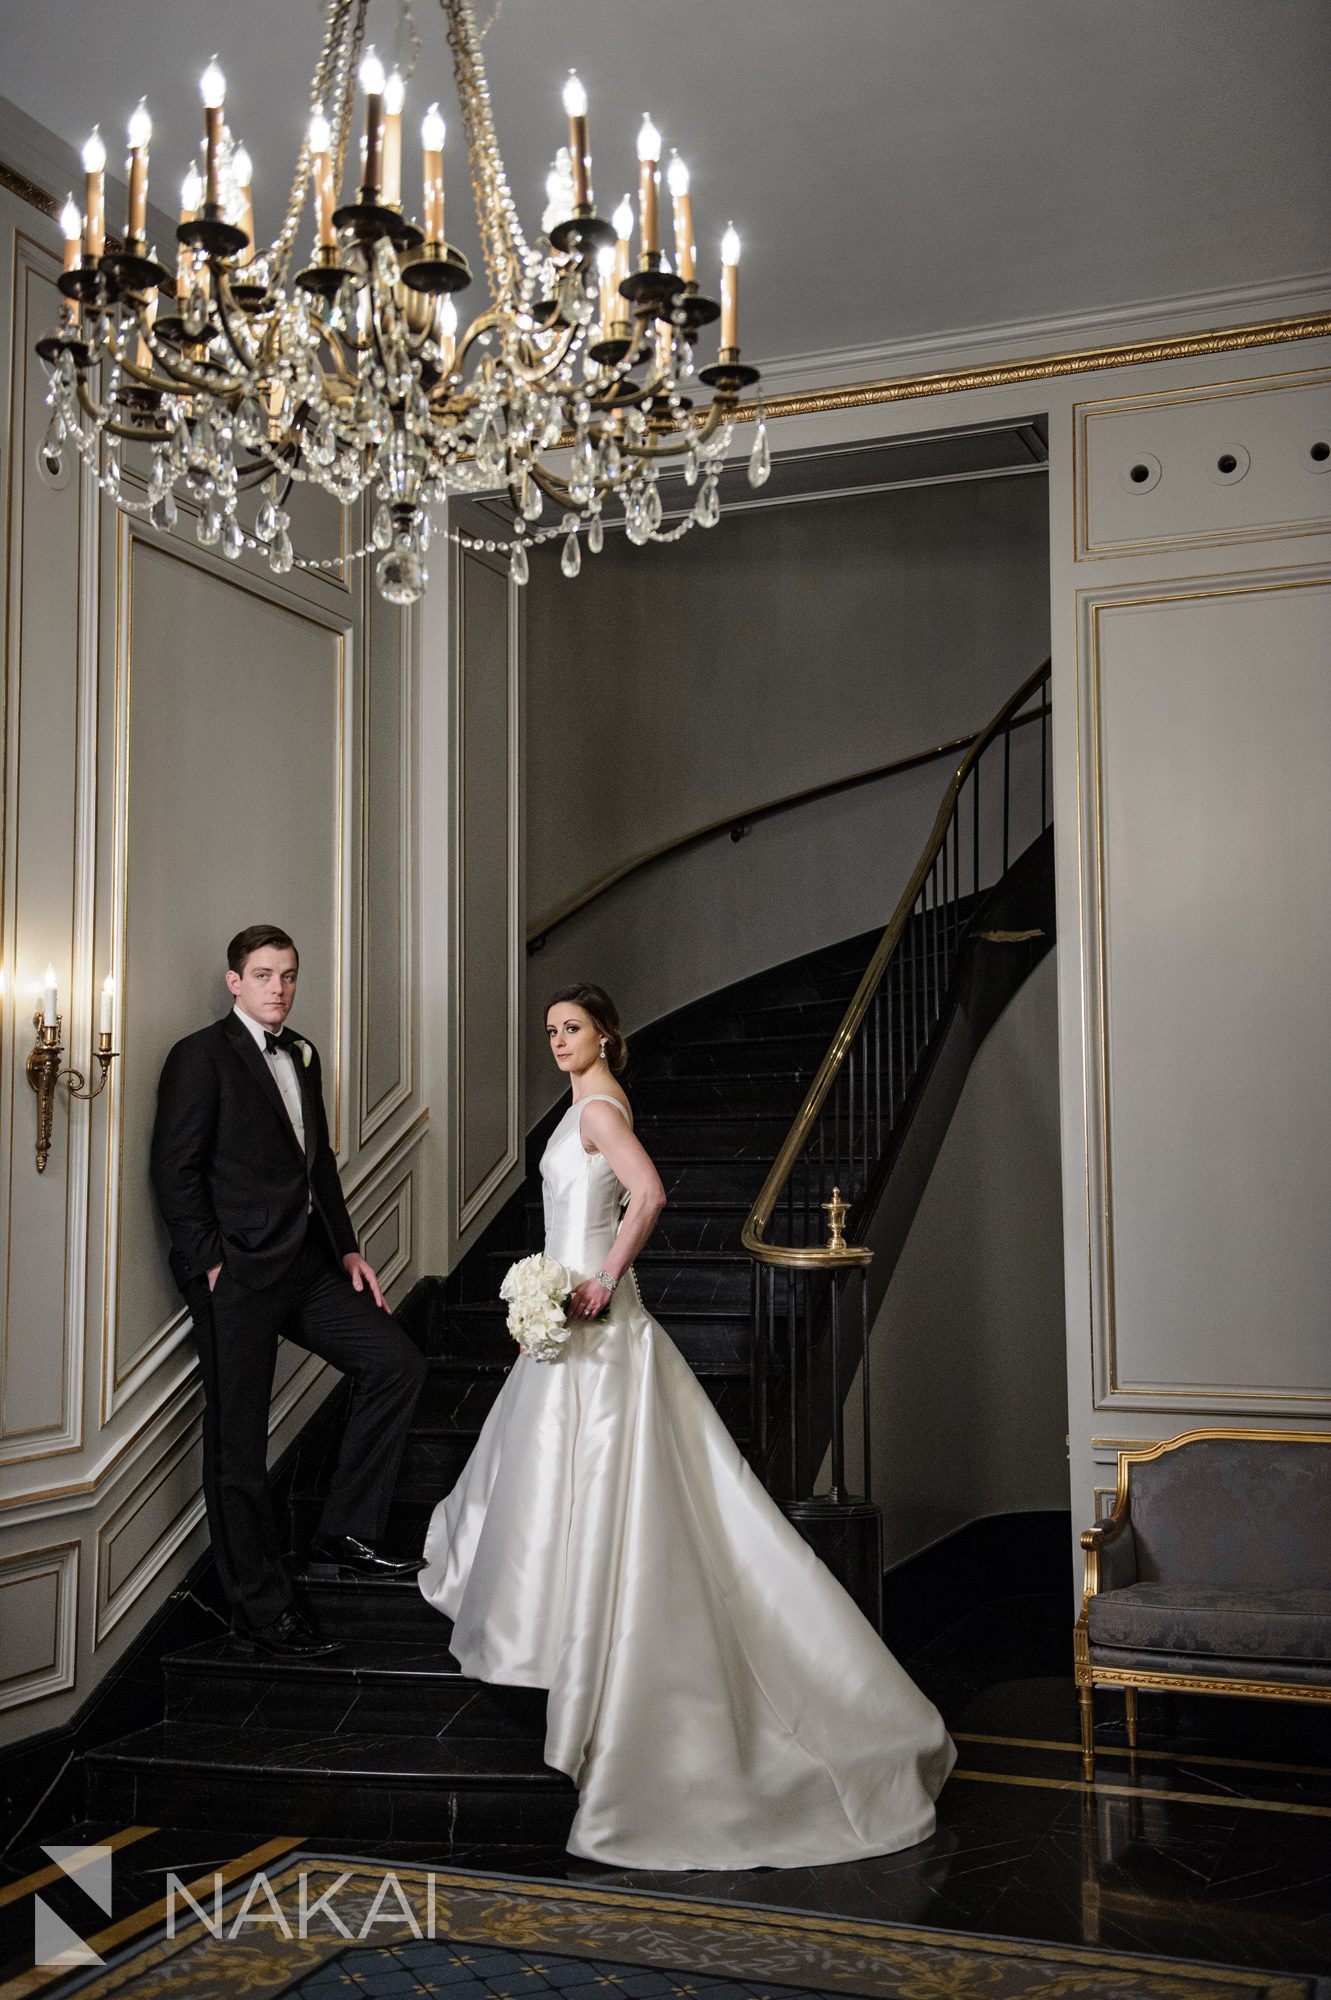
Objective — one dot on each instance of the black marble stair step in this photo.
(734, 1055)
(353, 1608)
(674, 1139)
(700, 1333)
(411, 1685)
(364, 1785)
(455, 1397)
(771, 1093)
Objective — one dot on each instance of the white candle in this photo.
(94, 161)
(108, 1003)
(395, 92)
(730, 288)
(432, 146)
(685, 255)
(321, 165)
(212, 88)
(372, 83)
(49, 997)
(140, 132)
(649, 153)
(575, 105)
(71, 225)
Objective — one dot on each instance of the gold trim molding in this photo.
(1042, 367)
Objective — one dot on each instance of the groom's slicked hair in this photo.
(257, 937)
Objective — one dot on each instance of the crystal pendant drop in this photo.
(196, 314)
(233, 540)
(283, 555)
(651, 509)
(690, 467)
(265, 522)
(518, 567)
(532, 499)
(402, 576)
(760, 458)
(165, 512)
(570, 562)
(596, 535)
(707, 509)
(158, 479)
(179, 446)
(209, 530)
(382, 535)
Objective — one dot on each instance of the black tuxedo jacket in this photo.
(230, 1177)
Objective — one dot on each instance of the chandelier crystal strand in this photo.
(571, 386)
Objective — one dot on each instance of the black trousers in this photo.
(236, 1331)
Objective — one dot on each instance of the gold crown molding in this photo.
(16, 183)
(1040, 368)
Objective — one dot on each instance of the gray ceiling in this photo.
(897, 168)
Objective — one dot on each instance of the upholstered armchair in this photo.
(1212, 1574)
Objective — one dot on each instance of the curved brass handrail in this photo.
(737, 824)
(793, 1255)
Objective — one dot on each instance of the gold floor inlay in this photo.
(1153, 1756)
(1096, 1789)
(14, 1892)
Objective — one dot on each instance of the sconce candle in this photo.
(212, 85)
(140, 132)
(395, 92)
(432, 145)
(94, 163)
(611, 305)
(575, 104)
(108, 1004)
(50, 998)
(191, 194)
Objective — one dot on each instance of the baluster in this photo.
(878, 1071)
(838, 1492)
(793, 1382)
(956, 875)
(866, 1401)
(1007, 788)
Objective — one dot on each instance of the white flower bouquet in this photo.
(536, 1291)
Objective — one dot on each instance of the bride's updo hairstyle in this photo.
(594, 1000)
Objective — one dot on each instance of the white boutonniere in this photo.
(306, 1052)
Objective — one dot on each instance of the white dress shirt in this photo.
(283, 1065)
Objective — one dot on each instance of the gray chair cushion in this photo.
(1191, 1618)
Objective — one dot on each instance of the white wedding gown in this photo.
(714, 1694)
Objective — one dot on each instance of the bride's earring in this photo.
(604, 1040)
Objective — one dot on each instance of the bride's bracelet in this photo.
(604, 1278)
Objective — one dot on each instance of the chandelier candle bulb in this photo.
(575, 104)
(395, 93)
(730, 289)
(50, 998)
(108, 1004)
(212, 88)
(94, 164)
(191, 194)
(432, 147)
(686, 255)
(320, 141)
(649, 213)
(372, 83)
(140, 132)
(71, 227)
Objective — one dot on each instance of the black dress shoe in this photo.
(289, 1637)
(360, 1558)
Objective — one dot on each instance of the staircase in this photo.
(842, 1069)
(389, 1740)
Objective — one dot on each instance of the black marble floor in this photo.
(1212, 1844)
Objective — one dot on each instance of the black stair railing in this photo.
(811, 1295)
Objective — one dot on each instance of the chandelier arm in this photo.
(226, 305)
(185, 375)
(105, 422)
(716, 416)
(162, 385)
(550, 365)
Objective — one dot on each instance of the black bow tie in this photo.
(272, 1043)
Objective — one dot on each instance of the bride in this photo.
(713, 1693)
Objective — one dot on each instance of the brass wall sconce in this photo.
(44, 1069)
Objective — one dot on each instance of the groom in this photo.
(262, 1246)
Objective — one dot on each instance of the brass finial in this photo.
(836, 1211)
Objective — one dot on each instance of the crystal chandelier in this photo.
(352, 370)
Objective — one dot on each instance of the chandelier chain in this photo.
(503, 243)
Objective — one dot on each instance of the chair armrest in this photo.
(1111, 1555)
